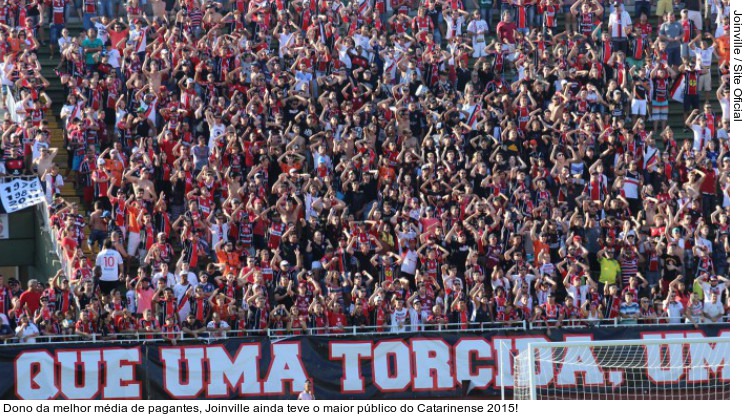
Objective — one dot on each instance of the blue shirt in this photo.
(629, 309)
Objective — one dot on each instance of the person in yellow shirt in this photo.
(609, 268)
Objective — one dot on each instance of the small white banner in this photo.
(19, 194)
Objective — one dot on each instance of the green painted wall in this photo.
(19, 249)
(30, 245)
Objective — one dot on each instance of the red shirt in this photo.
(506, 31)
(708, 185)
(31, 300)
(58, 11)
(336, 319)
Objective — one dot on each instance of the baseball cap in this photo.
(284, 263)
(106, 214)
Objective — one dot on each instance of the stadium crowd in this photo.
(307, 166)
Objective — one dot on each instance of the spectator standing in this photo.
(30, 300)
(671, 32)
(111, 264)
(620, 25)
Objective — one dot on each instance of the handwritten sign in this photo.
(19, 194)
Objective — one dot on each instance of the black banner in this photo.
(444, 365)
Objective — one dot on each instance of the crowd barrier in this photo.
(446, 364)
(425, 329)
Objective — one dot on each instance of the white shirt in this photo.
(409, 262)
(303, 79)
(712, 309)
(674, 310)
(170, 279)
(363, 41)
(133, 37)
(619, 24)
(700, 137)
(318, 158)
(417, 319)
(578, 293)
(30, 330)
(63, 42)
(398, 320)
(709, 290)
(501, 282)
(67, 111)
(53, 185)
(284, 41)
(479, 28)
(114, 57)
(306, 396)
(705, 55)
(3, 76)
(109, 261)
(180, 289)
(222, 327)
(216, 130)
(725, 112)
(219, 232)
(131, 296)
(517, 280)
(705, 243)
(102, 32)
(454, 26)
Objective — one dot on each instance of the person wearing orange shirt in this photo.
(539, 244)
(291, 161)
(114, 165)
(229, 259)
(723, 46)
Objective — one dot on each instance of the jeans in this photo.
(55, 31)
(642, 7)
(72, 8)
(530, 15)
(97, 236)
(487, 15)
(709, 203)
(652, 277)
(106, 8)
(87, 23)
(673, 55)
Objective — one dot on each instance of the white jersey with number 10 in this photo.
(109, 261)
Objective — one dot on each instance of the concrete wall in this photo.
(30, 246)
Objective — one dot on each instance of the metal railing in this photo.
(275, 333)
(282, 334)
(619, 322)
